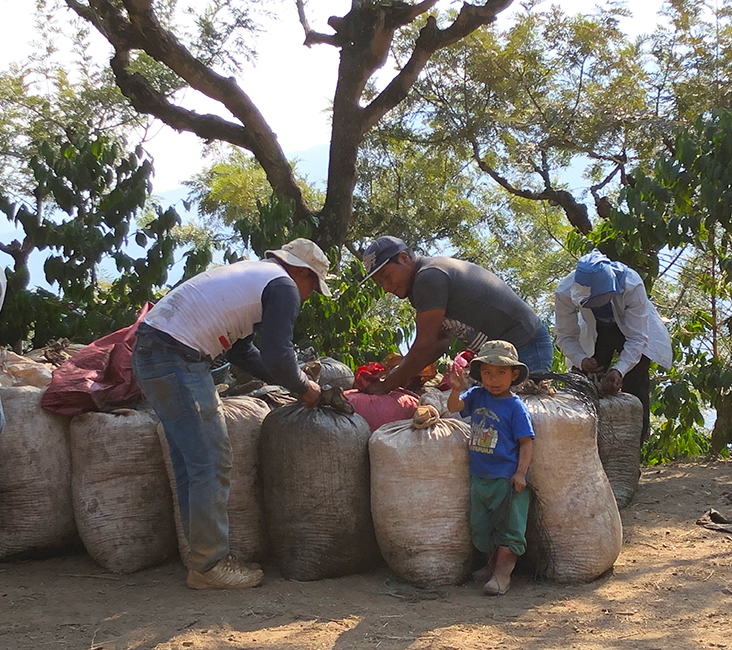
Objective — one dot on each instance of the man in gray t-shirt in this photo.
(453, 298)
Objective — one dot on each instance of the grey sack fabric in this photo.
(315, 474)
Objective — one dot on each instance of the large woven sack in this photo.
(315, 472)
(438, 398)
(575, 532)
(35, 476)
(335, 373)
(420, 497)
(378, 410)
(620, 424)
(247, 535)
(17, 370)
(122, 500)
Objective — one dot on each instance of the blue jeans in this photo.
(539, 354)
(179, 386)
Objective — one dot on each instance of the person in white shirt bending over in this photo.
(602, 309)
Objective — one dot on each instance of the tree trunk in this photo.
(722, 432)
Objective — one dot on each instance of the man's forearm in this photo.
(418, 357)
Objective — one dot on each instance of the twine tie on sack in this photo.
(425, 416)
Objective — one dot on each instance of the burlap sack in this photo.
(575, 532)
(35, 476)
(315, 472)
(420, 498)
(620, 424)
(122, 500)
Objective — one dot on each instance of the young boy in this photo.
(500, 453)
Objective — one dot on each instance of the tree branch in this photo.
(576, 212)
(430, 39)
(312, 37)
(140, 29)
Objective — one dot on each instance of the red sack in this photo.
(400, 404)
(99, 377)
(365, 375)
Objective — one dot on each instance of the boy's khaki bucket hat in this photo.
(303, 252)
(498, 353)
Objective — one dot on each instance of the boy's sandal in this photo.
(494, 588)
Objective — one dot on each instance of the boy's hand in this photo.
(455, 377)
(518, 482)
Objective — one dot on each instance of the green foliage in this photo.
(419, 190)
(101, 188)
(346, 327)
(687, 202)
(274, 226)
(230, 195)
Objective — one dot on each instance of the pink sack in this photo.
(400, 404)
(98, 377)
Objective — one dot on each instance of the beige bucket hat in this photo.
(303, 252)
(498, 353)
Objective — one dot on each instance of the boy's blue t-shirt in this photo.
(496, 424)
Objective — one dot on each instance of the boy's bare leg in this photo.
(501, 578)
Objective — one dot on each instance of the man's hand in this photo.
(518, 481)
(613, 382)
(376, 387)
(311, 397)
(589, 364)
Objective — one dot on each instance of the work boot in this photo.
(227, 573)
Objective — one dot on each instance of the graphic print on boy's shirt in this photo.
(483, 435)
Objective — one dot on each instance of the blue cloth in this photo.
(2, 418)
(598, 272)
(496, 424)
(539, 354)
(180, 388)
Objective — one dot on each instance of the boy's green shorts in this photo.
(498, 515)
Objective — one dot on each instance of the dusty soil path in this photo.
(671, 588)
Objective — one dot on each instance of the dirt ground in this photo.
(671, 588)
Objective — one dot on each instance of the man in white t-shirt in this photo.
(219, 310)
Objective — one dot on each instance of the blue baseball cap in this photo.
(600, 275)
(380, 252)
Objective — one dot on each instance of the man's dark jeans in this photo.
(637, 381)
